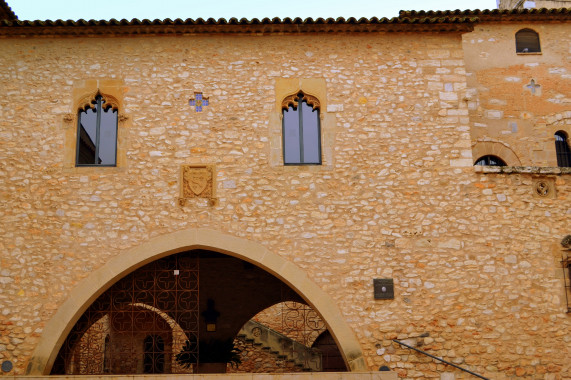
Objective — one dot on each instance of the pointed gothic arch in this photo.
(59, 326)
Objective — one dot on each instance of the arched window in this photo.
(97, 134)
(527, 41)
(490, 160)
(562, 149)
(301, 130)
(154, 359)
(106, 355)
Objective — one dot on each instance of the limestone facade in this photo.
(474, 253)
(517, 101)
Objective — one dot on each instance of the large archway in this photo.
(99, 281)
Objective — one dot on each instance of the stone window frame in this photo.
(494, 148)
(526, 33)
(84, 92)
(316, 88)
(550, 125)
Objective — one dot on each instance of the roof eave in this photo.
(6, 13)
(234, 26)
(500, 15)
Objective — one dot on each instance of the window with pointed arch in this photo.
(562, 149)
(97, 133)
(301, 130)
(490, 160)
(527, 41)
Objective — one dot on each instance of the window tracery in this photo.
(301, 130)
(97, 120)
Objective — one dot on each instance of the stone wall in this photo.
(474, 256)
(511, 116)
(253, 376)
(257, 360)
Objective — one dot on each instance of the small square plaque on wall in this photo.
(384, 288)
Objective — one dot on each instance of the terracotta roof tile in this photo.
(418, 21)
(233, 25)
(533, 14)
(6, 12)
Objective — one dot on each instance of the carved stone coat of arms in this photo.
(197, 181)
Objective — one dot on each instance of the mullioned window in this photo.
(301, 130)
(97, 133)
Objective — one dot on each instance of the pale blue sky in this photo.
(161, 9)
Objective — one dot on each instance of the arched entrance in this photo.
(58, 328)
(283, 338)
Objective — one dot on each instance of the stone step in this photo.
(281, 346)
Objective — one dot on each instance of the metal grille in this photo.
(139, 324)
(566, 264)
(303, 325)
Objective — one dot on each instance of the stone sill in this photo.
(529, 53)
(553, 170)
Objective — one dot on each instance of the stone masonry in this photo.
(474, 255)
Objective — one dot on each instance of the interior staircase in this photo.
(283, 347)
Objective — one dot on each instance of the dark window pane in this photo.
(562, 149)
(527, 41)
(87, 137)
(311, 135)
(97, 135)
(108, 137)
(490, 161)
(301, 131)
(291, 136)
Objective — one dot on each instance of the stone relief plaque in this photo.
(197, 181)
(544, 188)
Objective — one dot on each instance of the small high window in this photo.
(490, 160)
(301, 130)
(527, 41)
(562, 149)
(97, 134)
(106, 355)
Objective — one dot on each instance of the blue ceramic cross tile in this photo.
(533, 86)
(199, 101)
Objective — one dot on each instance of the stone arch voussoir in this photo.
(494, 148)
(59, 326)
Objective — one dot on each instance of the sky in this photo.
(162, 9)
